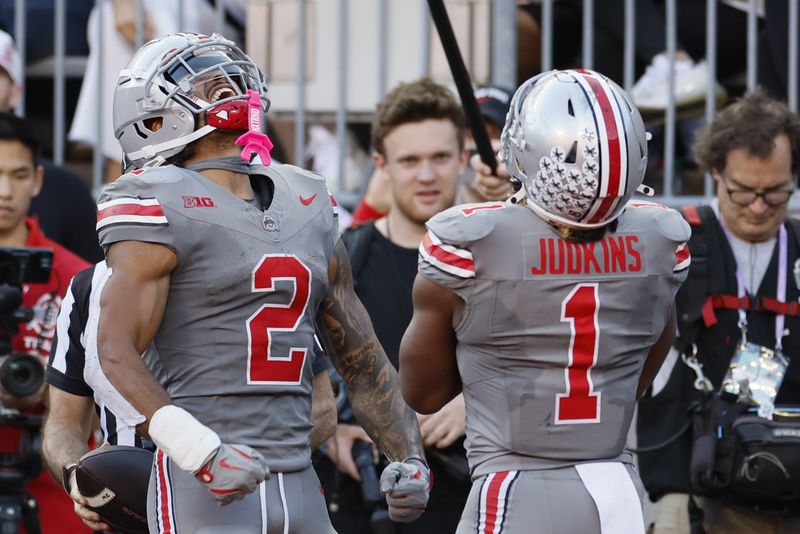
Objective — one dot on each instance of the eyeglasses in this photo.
(745, 197)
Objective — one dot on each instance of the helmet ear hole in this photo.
(520, 166)
(572, 155)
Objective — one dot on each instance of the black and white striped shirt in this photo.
(73, 359)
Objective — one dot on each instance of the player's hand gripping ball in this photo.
(233, 472)
(407, 485)
(114, 481)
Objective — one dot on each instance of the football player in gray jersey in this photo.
(76, 380)
(227, 264)
(552, 312)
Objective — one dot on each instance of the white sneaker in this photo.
(691, 82)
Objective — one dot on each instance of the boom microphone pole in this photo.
(463, 83)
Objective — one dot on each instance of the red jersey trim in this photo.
(452, 260)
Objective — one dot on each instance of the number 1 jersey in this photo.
(554, 333)
(237, 338)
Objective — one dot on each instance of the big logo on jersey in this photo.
(198, 202)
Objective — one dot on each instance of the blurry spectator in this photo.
(118, 45)
(21, 176)
(418, 137)
(40, 21)
(493, 103)
(10, 73)
(64, 207)
(773, 49)
(752, 150)
(692, 75)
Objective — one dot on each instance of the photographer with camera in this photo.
(30, 298)
(418, 137)
(721, 435)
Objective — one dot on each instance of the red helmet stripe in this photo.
(611, 134)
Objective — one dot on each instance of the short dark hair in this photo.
(13, 128)
(415, 102)
(751, 122)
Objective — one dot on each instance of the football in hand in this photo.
(114, 481)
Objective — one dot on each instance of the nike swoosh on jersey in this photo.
(308, 200)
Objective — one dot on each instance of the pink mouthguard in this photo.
(254, 140)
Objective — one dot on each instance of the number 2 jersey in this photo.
(237, 337)
(554, 333)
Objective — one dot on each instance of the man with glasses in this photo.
(743, 245)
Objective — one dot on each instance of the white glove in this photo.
(407, 485)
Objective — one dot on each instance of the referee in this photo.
(73, 360)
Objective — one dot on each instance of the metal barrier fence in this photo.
(503, 45)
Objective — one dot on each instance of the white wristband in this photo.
(187, 441)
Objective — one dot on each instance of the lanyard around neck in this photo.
(780, 319)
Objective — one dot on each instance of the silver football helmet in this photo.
(577, 143)
(172, 82)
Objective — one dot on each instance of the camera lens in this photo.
(20, 374)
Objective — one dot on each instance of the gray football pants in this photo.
(591, 498)
(177, 503)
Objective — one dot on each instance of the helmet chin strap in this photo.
(150, 151)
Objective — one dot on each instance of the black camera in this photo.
(369, 488)
(20, 374)
(371, 492)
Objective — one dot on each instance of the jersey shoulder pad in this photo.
(290, 171)
(130, 208)
(156, 175)
(128, 196)
(664, 220)
(142, 183)
(466, 223)
(309, 185)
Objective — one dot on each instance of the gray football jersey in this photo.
(237, 338)
(554, 333)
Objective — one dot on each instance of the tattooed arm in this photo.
(371, 381)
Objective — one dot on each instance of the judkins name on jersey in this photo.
(552, 256)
